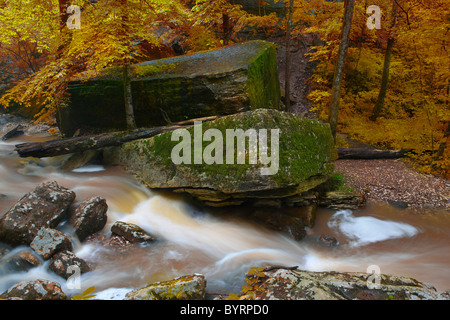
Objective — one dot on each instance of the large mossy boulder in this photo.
(217, 82)
(301, 158)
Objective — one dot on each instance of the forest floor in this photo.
(391, 180)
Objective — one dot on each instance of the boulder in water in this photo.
(66, 264)
(283, 284)
(50, 241)
(191, 287)
(45, 206)
(131, 232)
(35, 290)
(295, 155)
(89, 217)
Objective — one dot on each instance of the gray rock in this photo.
(35, 290)
(305, 160)
(89, 217)
(45, 206)
(282, 284)
(342, 200)
(66, 264)
(50, 241)
(131, 232)
(191, 287)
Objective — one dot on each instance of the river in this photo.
(194, 240)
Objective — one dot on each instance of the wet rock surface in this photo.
(191, 287)
(66, 264)
(283, 284)
(45, 206)
(131, 232)
(50, 241)
(35, 290)
(89, 217)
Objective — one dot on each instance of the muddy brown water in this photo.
(195, 240)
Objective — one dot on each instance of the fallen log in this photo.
(80, 144)
(16, 131)
(59, 147)
(371, 153)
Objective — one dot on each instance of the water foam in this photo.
(365, 230)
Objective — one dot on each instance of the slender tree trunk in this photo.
(129, 111)
(441, 149)
(336, 90)
(226, 28)
(384, 80)
(387, 63)
(66, 36)
(63, 16)
(287, 73)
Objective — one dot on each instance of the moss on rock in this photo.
(191, 287)
(306, 153)
(216, 82)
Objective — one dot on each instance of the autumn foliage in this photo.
(38, 56)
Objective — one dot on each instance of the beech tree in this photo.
(112, 33)
(336, 89)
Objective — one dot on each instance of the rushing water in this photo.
(194, 240)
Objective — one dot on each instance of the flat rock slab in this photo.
(282, 284)
(216, 82)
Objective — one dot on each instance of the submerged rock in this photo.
(66, 264)
(23, 260)
(131, 232)
(45, 206)
(35, 290)
(214, 82)
(282, 284)
(280, 221)
(295, 159)
(191, 287)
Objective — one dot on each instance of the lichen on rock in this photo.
(192, 287)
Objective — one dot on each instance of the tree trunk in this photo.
(66, 36)
(336, 90)
(129, 111)
(287, 73)
(441, 149)
(226, 28)
(370, 153)
(384, 80)
(63, 15)
(80, 144)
